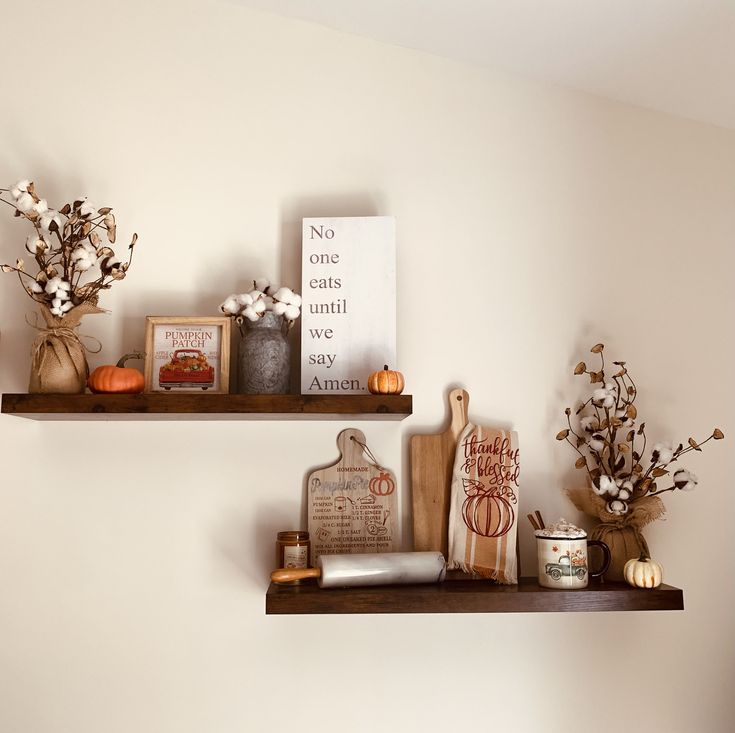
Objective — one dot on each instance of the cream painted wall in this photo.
(532, 222)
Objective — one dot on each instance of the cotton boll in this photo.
(685, 480)
(25, 202)
(18, 188)
(261, 284)
(589, 423)
(83, 265)
(57, 312)
(279, 308)
(243, 298)
(52, 285)
(259, 306)
(57, 303)
(622, 414)
(35, 287)
(597, 443)
(603, 398)
(623, 494)
(283, 294)
(67, 306)
(84, 251)
(250, 314)
(255, 294)
(662, 453)
(41, 206)
(47, 218)
(291, 313)
(36, 244)
(604, 485)
(87, 209)
(617, 507)
(62, 294)
(296, 300)
(64, 285)
(230, 306)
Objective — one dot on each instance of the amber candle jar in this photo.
(293, 549)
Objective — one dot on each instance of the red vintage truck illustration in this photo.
(187, 368)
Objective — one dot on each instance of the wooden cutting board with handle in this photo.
(432, 458)
(352, 504)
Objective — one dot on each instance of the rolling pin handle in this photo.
(288, 575)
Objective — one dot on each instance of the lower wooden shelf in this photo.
(469, 596)
(204, 406)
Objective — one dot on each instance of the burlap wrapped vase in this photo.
(622, 534)
(58, 357)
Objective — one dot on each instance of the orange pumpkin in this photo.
(117, 379)
(382, 485)
(386, 381)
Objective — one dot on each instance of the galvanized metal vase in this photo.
(264, 356)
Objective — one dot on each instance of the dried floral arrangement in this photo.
(66, 247)
(623, 492)
(611, 448)
(263, 298)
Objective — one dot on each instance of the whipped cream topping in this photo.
(562, 530)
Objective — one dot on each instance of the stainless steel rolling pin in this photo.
(386, 568)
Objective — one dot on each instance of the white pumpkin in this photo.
(643, 572)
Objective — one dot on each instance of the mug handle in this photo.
(606, 557)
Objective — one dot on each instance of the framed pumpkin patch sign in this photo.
(352, 504)
(187, 354)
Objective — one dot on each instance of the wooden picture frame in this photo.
(188, 354)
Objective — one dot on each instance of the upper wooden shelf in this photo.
(469, 596)
(162, 406)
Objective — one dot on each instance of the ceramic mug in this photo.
(563, 561)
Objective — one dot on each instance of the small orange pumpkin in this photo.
(386, 381)
(117, 379)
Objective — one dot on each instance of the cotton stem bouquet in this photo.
(261, 299)
(71, 264)
(626, 478)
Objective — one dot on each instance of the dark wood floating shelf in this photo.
(469, 596)
(204, 406)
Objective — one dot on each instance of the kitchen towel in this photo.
(483, 514)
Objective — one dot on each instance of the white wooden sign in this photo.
(348, 318)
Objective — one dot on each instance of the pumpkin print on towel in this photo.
(484, 502)
(488, 511)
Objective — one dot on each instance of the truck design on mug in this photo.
(566, 566)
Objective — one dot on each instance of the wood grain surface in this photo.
(467, 596)
(206, 406)
(432, 457)
(352, 505)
